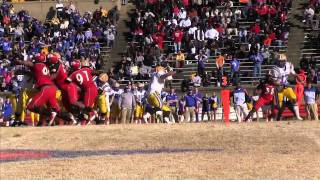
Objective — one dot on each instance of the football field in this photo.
(277, 150)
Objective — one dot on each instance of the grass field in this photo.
(279, 150)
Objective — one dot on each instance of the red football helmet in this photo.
(40, 57)
(76, 64)
(53, 59)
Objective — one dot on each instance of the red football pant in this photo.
(90, 95)
(262, 101)
(69, 94)
(46, 96)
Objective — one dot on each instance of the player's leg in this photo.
(38, 101)
(154, 100)
(51, 93)
(289, 93)
(102, 106)
(260, 102)
(90, 96)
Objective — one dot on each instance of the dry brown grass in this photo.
(279, 150)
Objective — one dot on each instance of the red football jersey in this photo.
(41, 74)
(267, 91)
(62, 75)
(83, 77)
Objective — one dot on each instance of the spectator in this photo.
(181, 110)
(172, 100)
(110, 39)
(59, 9)
(7, 109)
(196, 80)
(127, 104)
(219, 64)
(205, 107)
(311, 97)
(211, 34)
(190, 106)
(198, 96)
(180, 58)
(177, 38)
(235, 66)
(201, 59)
(214, 104)
(308, 16)
(257, 59)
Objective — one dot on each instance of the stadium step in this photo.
(120, 41)
(296, 31)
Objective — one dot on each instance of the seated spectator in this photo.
(196, 80)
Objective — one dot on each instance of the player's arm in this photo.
(171, 73)
(25, 63)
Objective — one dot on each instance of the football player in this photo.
(43, 82)
(280, 74)
(82, 76)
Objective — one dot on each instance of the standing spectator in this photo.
(7, 109)
(257, 59)
(201, 59)
(219, 64)
(211, 34)
(180, 58)
(59, 9)
(214, 103)
(115, 98)
(127, 104)
(243, 35)
(239, 100)
(110, 39)
(172, 100)
(190, 106)
(205, 107)
(311, 97)
(235, 66)
(177, 38)
(308, 15)
(181, 109)
(199, 37)
(198, 95)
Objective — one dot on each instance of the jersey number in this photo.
(45, 71)
(80, 78)
(270, 90)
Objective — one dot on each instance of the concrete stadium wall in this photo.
(40, 9)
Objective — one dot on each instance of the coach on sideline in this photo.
(127, 104)
(311, 96)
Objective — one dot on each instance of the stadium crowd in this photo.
(172, 33)
(72, 35)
